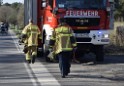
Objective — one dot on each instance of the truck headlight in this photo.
(105, 36)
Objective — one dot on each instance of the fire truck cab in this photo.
(91, 21)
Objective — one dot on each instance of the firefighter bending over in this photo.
(63, 42)
(30, 35)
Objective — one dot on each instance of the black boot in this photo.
(63, 76)
(28, 61)
(33, 59)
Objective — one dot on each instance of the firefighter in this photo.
(30, 35)
(63, 42)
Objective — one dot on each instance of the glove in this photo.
(25, 50)
(50, 49)
(20, 41)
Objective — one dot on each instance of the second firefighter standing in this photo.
(30, 35)
(63, 43)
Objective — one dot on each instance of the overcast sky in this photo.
(12, 1)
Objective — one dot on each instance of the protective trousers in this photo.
(32, 51)
(65, 62)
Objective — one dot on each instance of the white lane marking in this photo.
(26, 67)
(43, 75)
(43, 81)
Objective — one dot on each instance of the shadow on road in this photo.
(108, 59)
(114, 59)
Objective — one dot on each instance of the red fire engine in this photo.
(91, 21)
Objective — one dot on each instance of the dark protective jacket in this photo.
(62, 39)
(32, 33)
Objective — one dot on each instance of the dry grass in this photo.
(113, 47)
(113, 32)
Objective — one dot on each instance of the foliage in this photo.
(16, 5)
(119, 9)
(6, 4)
(20, 16)
(116, 40)
(12, 13)
(7, 14)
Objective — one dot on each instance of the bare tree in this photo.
(20, 16)
(8, 14)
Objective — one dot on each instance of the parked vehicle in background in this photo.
(3, 29)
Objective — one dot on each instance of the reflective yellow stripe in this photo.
(52, 38)
(66, 34)
(40, 37)
(74, 44)
(67, 42)
(51, 46)
(67, 49)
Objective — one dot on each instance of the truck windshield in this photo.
(79, 4)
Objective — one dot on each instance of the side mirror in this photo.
(55, 10)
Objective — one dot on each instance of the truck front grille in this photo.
(83, 39)
(86, 22)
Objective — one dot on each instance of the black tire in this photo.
(99, 52)
(40, 53)
(45, 48)
(46, 52)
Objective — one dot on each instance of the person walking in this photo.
(63, 42)
(30, 35)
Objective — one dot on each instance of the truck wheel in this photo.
(45, 48)
(46, 52)
(39, 52)
(99, 51)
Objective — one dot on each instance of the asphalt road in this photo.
(14, 71)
